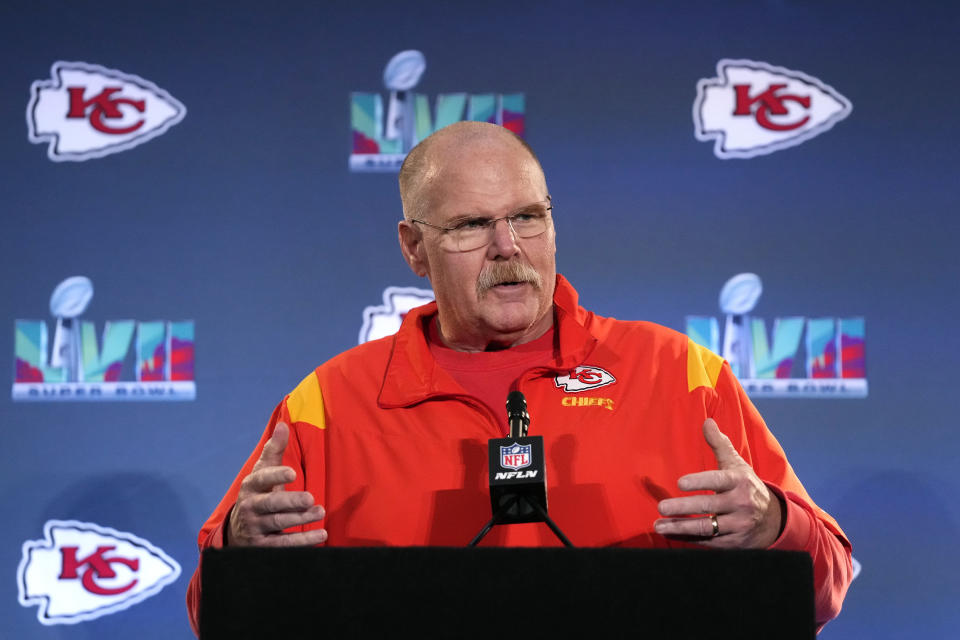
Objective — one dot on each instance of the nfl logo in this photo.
(515, 456)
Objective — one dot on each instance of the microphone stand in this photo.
(519, 420)
(509, 503)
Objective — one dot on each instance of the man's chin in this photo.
(511, 322)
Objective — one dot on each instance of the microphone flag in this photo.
(518, 482)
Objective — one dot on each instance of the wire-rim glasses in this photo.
(472, 232)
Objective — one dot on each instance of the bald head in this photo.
(449, 151)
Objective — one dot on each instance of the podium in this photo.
(486, 592)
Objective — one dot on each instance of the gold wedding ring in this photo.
(716, 525)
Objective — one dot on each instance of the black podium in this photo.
(489, 592)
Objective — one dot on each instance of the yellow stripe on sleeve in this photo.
(305, 403)
(703, 366)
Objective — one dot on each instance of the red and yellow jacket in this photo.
(396, 451)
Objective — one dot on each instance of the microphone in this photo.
(517, 416)
(518, 475)
(518, 483)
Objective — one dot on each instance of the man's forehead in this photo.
(497, 193)
(485, 172)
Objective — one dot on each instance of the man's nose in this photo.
(504, 240)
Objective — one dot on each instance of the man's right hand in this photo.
(263, 509)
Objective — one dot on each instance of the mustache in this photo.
(513, 271)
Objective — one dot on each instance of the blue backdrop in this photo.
(244, 217)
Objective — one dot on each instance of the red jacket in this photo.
(396, 451)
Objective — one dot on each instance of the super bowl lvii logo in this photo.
(381, 141)
(835, 363)
(80, 367)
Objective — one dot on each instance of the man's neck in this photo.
(497, 342)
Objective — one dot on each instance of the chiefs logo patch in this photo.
(584, 378)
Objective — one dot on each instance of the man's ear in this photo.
(411, 245)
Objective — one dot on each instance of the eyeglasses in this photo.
(473, 232)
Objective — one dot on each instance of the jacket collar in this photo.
(412, 375)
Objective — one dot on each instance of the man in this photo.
(634, 416)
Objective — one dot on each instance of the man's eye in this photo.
(527, 217)
(471, 224)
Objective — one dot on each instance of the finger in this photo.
(723, 449)
(698, 528)
(272, 454)
(299, 539)
(277, 522)
(266, 478)
(688, 506)
(716, 480)
(283, 501)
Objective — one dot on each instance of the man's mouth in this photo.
(507, 276)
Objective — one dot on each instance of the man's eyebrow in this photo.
(467, 217)
(540, 206)
(534, 206)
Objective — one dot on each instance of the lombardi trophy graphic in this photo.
(738, 297)
(69, 300)
(401, 74)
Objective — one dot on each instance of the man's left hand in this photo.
(747, 514)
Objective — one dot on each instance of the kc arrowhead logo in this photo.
(753, 108)
(81, 571)
(384, 320)
(583, 378)
(87, 111)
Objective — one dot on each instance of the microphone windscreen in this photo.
(516, 403)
